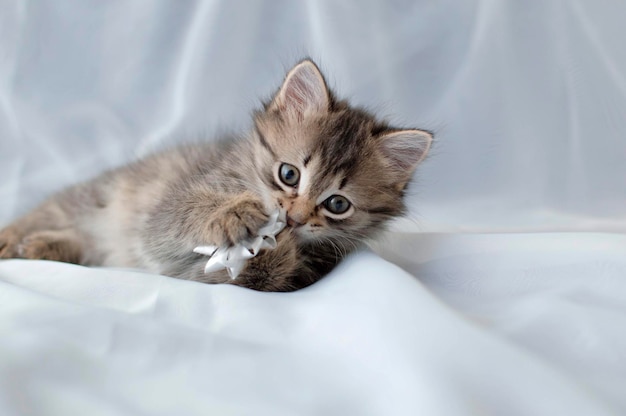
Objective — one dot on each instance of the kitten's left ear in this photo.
(403, 150)
(304, 90)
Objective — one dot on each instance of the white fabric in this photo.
(527, 102)
(546, 336)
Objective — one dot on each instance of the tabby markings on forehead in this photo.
(264, 143)
(387, 211)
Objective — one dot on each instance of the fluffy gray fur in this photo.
(151, 213)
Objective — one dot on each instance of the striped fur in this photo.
(152, 213)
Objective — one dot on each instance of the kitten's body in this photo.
(153, 212)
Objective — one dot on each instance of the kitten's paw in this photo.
(237, 221)
(9, 241)
(50, 245)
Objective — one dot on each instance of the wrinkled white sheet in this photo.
(546, 336)
(527, 100)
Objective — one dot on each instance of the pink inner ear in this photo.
(296, 93)
(303, 90)
(406, 148)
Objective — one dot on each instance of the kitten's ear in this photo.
(403, 150)
(304, 90)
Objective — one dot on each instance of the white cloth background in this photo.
(527, 101)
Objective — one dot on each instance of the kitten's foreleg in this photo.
(197, 216)
(188, 218)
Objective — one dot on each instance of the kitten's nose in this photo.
(293, 223)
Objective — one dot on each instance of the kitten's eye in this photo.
(289, 174)
(337, 204)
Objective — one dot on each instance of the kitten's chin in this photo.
(305, 235)
(298, 233)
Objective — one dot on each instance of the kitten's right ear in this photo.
(402, 151)
(304, 90)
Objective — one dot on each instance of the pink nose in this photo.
(293, 223)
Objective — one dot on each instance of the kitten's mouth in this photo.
(291, 226)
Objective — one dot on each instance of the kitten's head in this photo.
(336, 171)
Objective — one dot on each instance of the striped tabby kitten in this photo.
(335, 171)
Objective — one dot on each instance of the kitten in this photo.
(336, 172)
